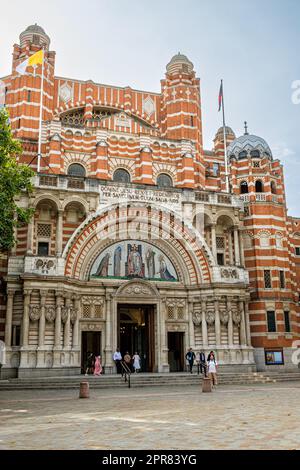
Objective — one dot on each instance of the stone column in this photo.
(217, 323)
(42, 325)
(191, 325)
(25, 322)
(9, 317)
(236, 246)
(161, 320)
(214, 242)
(242, 325)
(247, 321)
(30, 237)
(230, 248)
(25, 329)
(59, 233)
(108, 322)
(67, 328)
(57, 338)
(242, 250)
(75, 339)
(204, 325)
(230, 324)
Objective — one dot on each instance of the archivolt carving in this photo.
(34, 313)
(92, 300)
(50, 314)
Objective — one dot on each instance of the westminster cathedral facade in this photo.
(135, 242)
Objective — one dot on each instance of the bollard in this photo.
(206, 385)
(84, 390)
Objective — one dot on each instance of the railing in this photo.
(260, 197)
(126, 373)
(245, 197)
(218, 198)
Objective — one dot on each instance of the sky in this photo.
(254, 46)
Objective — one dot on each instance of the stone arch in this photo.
(46, 197)
(187, 249)
(76, 199)
(137, 287)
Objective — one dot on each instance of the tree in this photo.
(14, 179)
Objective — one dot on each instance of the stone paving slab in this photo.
(232, 417)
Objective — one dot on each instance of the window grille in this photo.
(44, 230)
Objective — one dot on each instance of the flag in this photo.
(220, 96)
(34, 59)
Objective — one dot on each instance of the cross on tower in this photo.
(246, 128)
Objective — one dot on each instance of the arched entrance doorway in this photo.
(136, 332)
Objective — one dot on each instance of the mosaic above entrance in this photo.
(134, 259)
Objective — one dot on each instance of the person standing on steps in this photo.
(190, 357)
(212, 368)
(117, 359)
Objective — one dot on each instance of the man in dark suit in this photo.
(190, 357)
(202, 362)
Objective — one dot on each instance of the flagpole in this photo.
(40, 120)
(225, 144)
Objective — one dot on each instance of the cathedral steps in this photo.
(144, 380)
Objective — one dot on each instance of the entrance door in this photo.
(176, 352)
(136, 333)
(90, 343)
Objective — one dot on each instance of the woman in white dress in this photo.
(136, 362)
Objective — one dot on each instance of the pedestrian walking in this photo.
(98, 366)
(136, 362)
(89, 363)
(190, 357)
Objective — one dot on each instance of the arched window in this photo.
(255, 153)
(259, 187)
(243, 154)
(76, 170)
(273, 187)
(164, 181)
(121, 176)
(244, 187)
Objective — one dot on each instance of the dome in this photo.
(35, 28)
(249, 145)
(34, 34)
(228, 131)
(180, 63)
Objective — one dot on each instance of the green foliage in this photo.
(14, 179)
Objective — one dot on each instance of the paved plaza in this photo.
(240, 417)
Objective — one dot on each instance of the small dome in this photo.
(35, 28)
(249, 145)
(180, 63)
(35, 34)
(228, 131)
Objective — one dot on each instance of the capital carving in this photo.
(34, 313)
(197, 317)
(236, 317)
(50, 314)
(210, 317)
(64, 314)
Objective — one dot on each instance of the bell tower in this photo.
(25, 90)
(181, 108)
